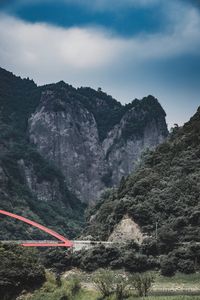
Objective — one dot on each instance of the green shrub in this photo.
(186, 266)
(142, 283)
(110, 283)
(168, 267)
(135, 262)
(104, 281)
(66, 290)
(74, 285)
(57, 259)
(122, 287)
(19, 270)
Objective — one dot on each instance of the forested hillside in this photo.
(164, 191)
(27, 179)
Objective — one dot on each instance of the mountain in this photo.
(92, 138)
(29, 184)
(162, 197)
(60, 147)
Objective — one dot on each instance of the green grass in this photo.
(178, 284)
(178, 287)
(86, 295)
(181, 278)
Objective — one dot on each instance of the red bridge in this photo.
(63, 242)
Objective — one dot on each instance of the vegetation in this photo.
(22, 272)
(63, 211)
(105, 282)
(54, 290)
(19, 271)
(131, 257)
(162, 196)
(143, 283)
(19, 98)
(117, 285)
(164, 190)
(112, 283)
(141, 113)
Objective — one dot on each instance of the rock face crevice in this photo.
(68, 129)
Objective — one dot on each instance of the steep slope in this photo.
(29, 185)
(165, 190)
(92, 138)
(59, 144)
(18, 99)
(32, 187)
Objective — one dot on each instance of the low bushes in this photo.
(131, 257)
(110, 283)
(67, 289)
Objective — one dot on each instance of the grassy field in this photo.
(178, 287)
(178, 284)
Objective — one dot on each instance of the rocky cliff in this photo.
(59, 144)
(92, 138)
(30, 185)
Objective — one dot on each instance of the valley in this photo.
(108, 176)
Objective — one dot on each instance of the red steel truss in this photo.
(65, 242)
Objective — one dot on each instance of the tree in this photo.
(186, 266)
(168, 267)
(19, 270)
(142, 283)
(168, 238)
(104, 282)
(111, 283)
(135, 262)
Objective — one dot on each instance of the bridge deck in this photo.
(77, 244)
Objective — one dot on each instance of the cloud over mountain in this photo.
(162, 62)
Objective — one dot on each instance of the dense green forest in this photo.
(165, 190)
(20, 269)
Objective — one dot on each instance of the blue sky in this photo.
(130, 48)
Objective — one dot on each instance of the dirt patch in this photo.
(127, 230)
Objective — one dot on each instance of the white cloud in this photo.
(41, 46)
(95, 57)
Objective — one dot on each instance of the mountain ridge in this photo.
(97, 133)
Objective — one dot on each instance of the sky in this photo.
(129, 48)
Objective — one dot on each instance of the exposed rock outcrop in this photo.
(56, 140)
(68, 129)
(126, 230)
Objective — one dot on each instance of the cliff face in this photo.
(59, 144)
(92, 138)
(30, 185)
(69, 138)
